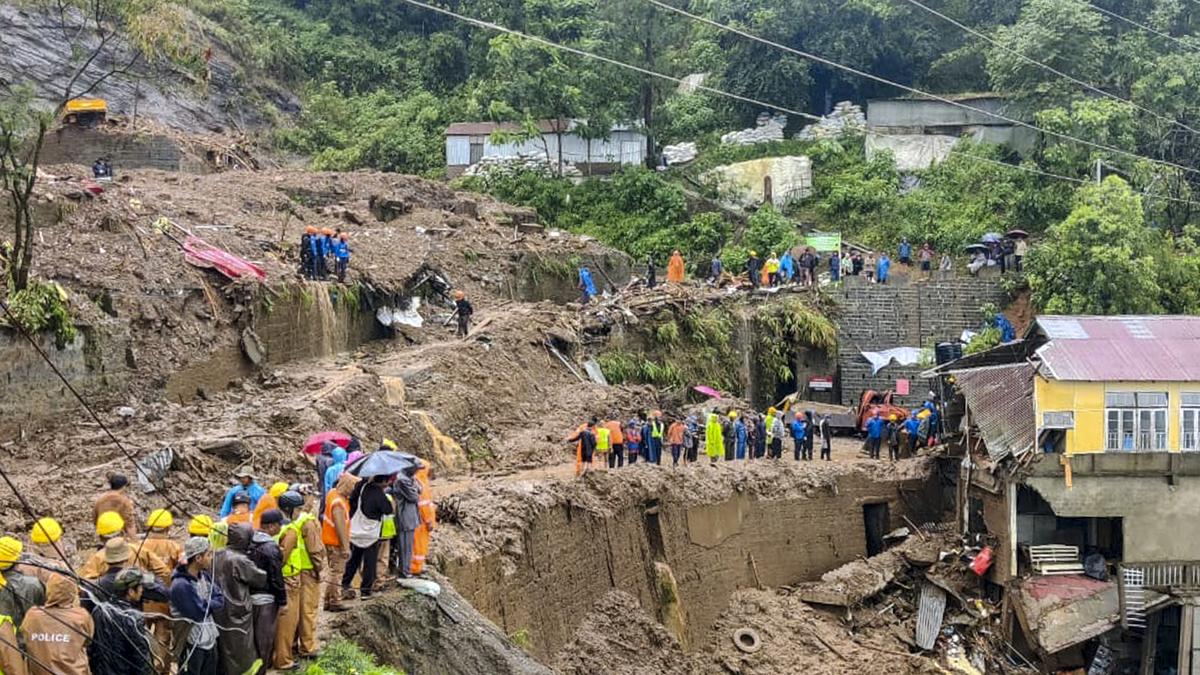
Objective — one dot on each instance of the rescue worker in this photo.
(117, 499)
(246, 484)
(675, 268)
(196, 598)
(219, 536)
(44, 560)
(633, 440)
(335, 468)
(268, 601)
(893, 438)
(778, 431)
(715, 269)
(427, 512)
(787, 267)
(110, 527)
(657, 435)
(122, 644)
(307, 252)
(341, 256)
(691, 438)
(810, 432)
(714, 441)
(771, 269)
(57, 634)
(760, 437)
(335, 535)
(200, 525)
(586, 439)
(675, 435)
(18, 592)
(12, 660)
(912, 425)
(241, 514)
(170, 552)
(269, 501)
(616, 436)
(407, 492)
(874, 434)
(463, 311)
(324, 248)
(303, 560)
(798, 435)
(603, 445)
(238, 577)
(826, 438)
(729, 433)
(312, 252)
(741, 434)
(587, 287)
(754, 268)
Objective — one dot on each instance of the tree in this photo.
(1066, 35)
(107, 38)
(1100, 259)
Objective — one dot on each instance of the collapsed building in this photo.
(1079, 469)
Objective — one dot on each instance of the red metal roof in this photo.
(1120, 348)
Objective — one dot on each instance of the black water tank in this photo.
(946, 352)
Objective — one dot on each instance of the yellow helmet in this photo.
(771, 410)
(390, 444)
(200, 526)
(10, 551)
(109, 523)
(160, 519)
(278, 489)
(732, 414)
(45, 531)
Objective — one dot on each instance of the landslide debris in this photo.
(619, 637)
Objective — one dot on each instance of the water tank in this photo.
(945, 352)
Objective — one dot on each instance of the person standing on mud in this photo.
(368, 506)
(714, 441)
(798, 434)
(117, 499)
(341, 256)
(760, 436)
(407, 493)
(306, 251)
(647, 440)
(691, 438)
(810, 430)
(741, 435)
(265, 553)
(778, 431)
(303, 560)
(729, 434)
(587, 287)
(238, 578)
(893, 438)
(585, 439)
(633, 439)
(675, 435)
(463, 310)
(875, 427)
(651, 273)
(826, 438)
(754, 268)
(616, 458)
(657, 435)
(335, 535)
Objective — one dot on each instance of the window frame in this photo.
(1150, 426)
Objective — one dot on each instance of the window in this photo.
(1189, 422)
(1135, 421)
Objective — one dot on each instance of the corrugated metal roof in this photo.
(1121, 348)
(1000, 399)
(486, 128)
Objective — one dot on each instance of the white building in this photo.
(469, 142)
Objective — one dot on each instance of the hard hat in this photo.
(109, 523)
(771, 410)
(290, 500)
(200, 525)
(278, 489)
(732, 414)
(10, 551)
(342, 236)
(45, 531)
(799, 416)
(389, 444)
(160, 519)
(459, 295)
(241, 498)
(326, 231)
(893, 417)
(310, 230)
(753, 253)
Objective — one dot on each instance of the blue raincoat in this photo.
(334, 472)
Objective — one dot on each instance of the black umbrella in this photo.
(1017, 234)
(991, 238)
(382, 463)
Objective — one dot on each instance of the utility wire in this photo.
(1142, 26)
(32, 659)
(1049, 68)
(772, 106)
(913, 90)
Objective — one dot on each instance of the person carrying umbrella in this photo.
(368, 506)
(1020, 247)
(407, 493)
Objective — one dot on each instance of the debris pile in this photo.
(846, 118)
(680, 153)
(510, 164)
(767, 128)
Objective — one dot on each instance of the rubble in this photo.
(537, 162)
(767, 128)
(680, 153)
(845, 118)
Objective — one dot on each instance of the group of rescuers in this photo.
(738, 436)
(237, 594)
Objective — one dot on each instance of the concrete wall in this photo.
(1158, 518)
(570, 557)
(74, 145)
(926, 113)
(621, 147)
(874, 317)
(95, 364)
(312, 320)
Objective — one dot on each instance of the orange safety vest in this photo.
(239, 517)
(428, 513)
(329, 533)
(265, 503)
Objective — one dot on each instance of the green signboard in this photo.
(824, 241)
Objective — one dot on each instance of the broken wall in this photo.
(569, 557)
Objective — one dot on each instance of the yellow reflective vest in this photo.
(388, 529)
(299, 561)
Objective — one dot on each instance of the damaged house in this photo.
(1081, 468)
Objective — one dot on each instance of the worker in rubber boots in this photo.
(117, 499)
(56, 635)
(18, 592)
(463, 311)
(303, 562)
(307, 252)
(335, 535)
(44, 560)
(160, 542)
(111, 526)
(658, 435)
(238, 577)
(427, 512)
(269, 501)
(341, 256)
(324, 248)
(195, 597)
(12, 659)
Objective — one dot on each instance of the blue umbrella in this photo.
(991, 237)
(382, 463)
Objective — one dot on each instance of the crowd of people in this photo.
(232, 593)
(737, 435)
(321, 246)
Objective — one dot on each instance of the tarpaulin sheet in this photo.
(905, 356)
(200, 253)
(911, 152)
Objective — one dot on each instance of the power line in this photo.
(913, 90)
(1047, 67)
(1142, 26)
(719, 92)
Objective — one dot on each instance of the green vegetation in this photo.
(345, 658)
(522, 639)
(43, 306)
(782, 327)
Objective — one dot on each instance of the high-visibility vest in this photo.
(426, 506)
(770, 423)
(329, 534)
(388, 529)
(603, 436)
(656, 429)
(298, 561)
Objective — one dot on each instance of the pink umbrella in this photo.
(708, 391)
(313, 445)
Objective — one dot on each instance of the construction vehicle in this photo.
(85, 112)
(872, 402)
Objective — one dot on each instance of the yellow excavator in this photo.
(85, 112)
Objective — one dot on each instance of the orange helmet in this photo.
(310, 230)
(342, 236)
(326, 231)
(459, 295)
